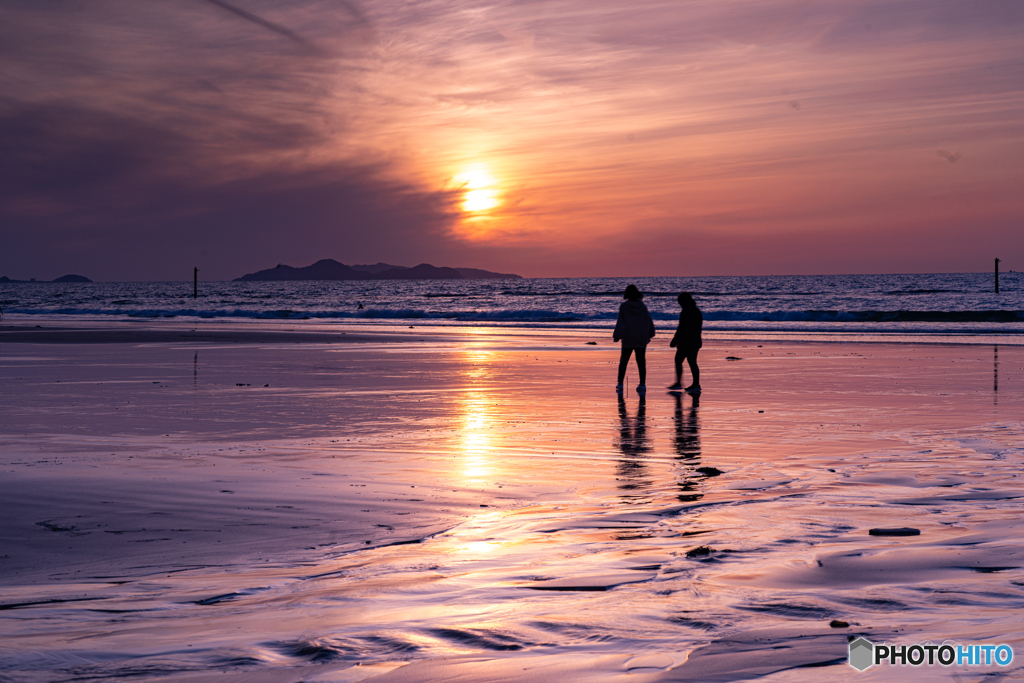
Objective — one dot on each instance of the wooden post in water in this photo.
(997, 276)
(195, 283)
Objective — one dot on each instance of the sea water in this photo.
(958, 305)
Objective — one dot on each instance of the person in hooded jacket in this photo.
(687, 342)
(635, 328)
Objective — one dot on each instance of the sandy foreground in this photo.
(241, 504)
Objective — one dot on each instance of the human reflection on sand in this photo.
(632, 474)
(687, 447)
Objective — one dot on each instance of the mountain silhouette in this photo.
(62, 278)
(423, 271)
(324, 269)
(329, 269)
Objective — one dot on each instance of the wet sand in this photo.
(479, 506)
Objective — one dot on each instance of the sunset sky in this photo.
(543, 137)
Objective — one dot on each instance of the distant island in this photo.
(329, 269)
(63, 278)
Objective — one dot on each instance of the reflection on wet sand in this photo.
(687, 448)
(476, 437)
(613, 534)
(995, 374)
(476, 413)
(633, 477)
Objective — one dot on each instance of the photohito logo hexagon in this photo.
(862, 653)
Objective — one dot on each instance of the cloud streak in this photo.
(260, 21)
(192, 137)
(681, 113)
(671, 124)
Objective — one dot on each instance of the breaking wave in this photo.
(541, 315)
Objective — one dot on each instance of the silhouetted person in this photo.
(635, 328)
(687, 342)
(360, 306)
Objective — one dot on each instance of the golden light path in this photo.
(477, 420)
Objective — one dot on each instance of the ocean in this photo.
(958, 307)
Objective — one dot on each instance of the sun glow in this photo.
(481, 193)
(478, 414)
(481, 547)
(477, 439)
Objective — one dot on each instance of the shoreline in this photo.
(258, 331)
(113, 335)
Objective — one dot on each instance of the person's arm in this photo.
(650, 326)
(617, 333)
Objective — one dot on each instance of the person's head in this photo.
(686, 300)
(633, 294)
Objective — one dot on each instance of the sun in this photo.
(480, 200)
(480, 187)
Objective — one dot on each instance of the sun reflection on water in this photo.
(476, 437)
(481, 547)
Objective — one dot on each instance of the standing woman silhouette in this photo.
(635, 328)
(687, 342)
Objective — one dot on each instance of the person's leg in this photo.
(691, 359)
(623, 361)
(641, 364)
(680, 355)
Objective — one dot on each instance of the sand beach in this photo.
(227, 502)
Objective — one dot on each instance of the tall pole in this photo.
(997, 276)
(195, 282)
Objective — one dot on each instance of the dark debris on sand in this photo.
(900, 531)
